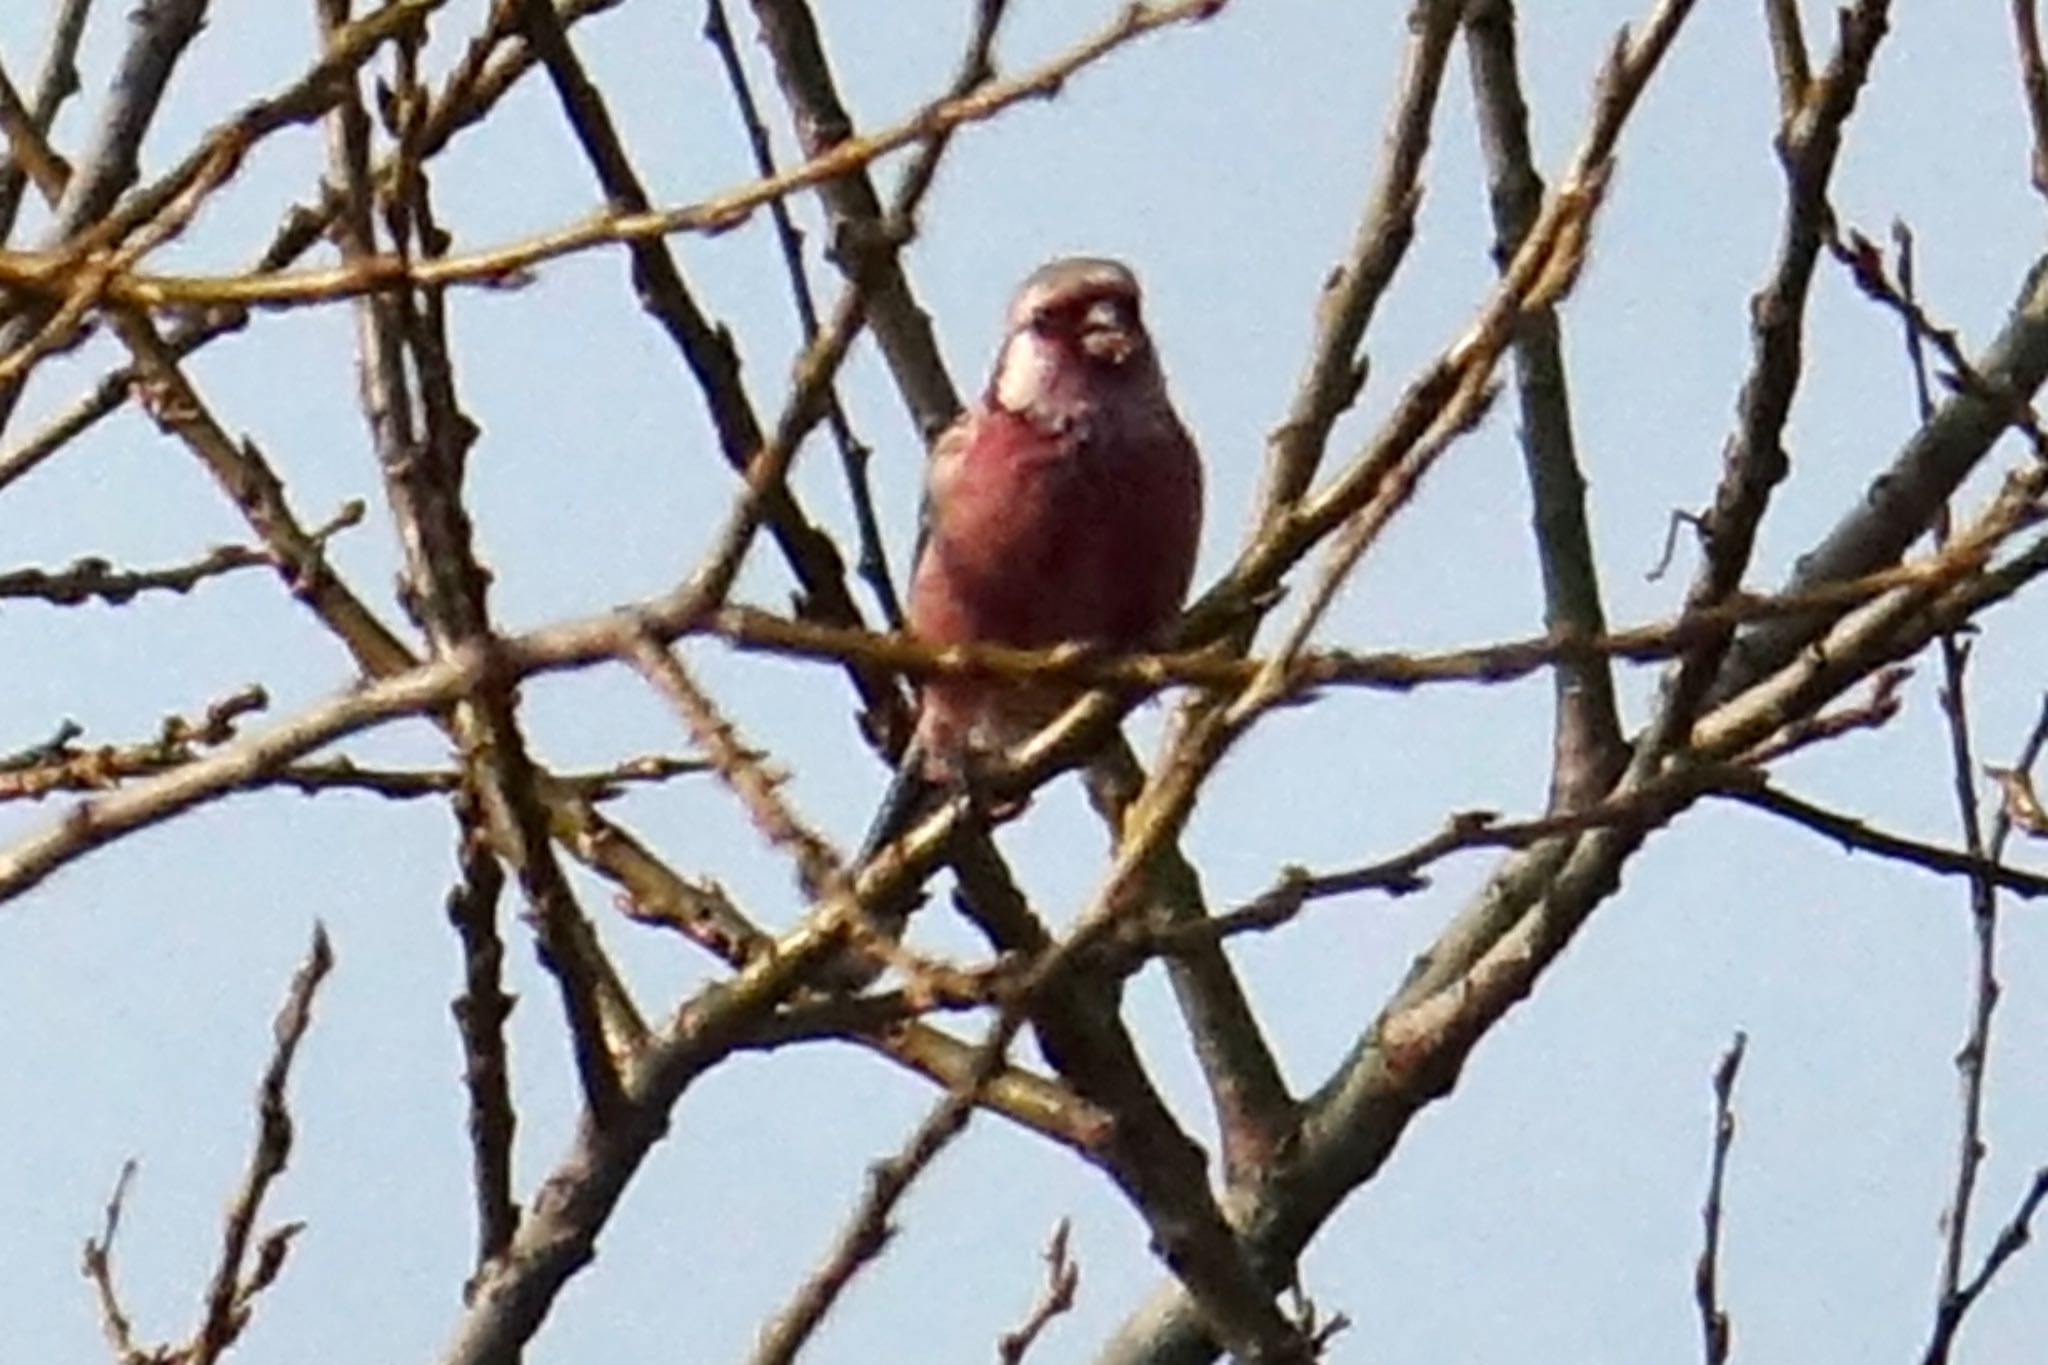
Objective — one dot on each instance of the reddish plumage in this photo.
(1065, 505)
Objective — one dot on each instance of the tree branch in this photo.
(1706, 1274)
(1586, 744)
(56, 81)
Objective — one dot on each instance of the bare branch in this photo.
(867, 1231)
(1255, 1111)
(30, 153)
(1854, 834)
(2011, 1239)
(53, 273)
(56, 81)
(513, 1294)
(1974, 1056)
(1544, 269)
(1918, 599)
(1788, 57)
(860, 241)
(491, 64)
(88, 219)
(480, 1014)
(1062, 1283)
(854, 455)
(820, 869)
(1866, 266)
(422, 439)
(97, 1265)
(95, 579)
(1706, 1274)
(1336, 370)
(1754, 461)
(2033, 84)
(1654, 803)
(232, 1293)
(1587, 749)
(705, 347)
(59, 765)
(1904, 499)
(750, 629)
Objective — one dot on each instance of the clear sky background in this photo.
(1548, 1211)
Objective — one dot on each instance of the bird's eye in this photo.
(1044, 324)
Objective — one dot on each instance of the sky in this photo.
(1546, 1211)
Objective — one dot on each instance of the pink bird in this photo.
(1065, 505)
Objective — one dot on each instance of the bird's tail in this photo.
(911, 796)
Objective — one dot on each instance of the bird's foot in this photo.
(984, 804)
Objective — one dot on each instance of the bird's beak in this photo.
(1107, 334)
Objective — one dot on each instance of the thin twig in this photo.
(867, 1230)
(97, 1265)
(751, 629)
(2011, 1239)
(1788, 58)
(1865, 264)
(29, 153)
(2019, 809)
(821, 871)
(863, 242)
(89, 221)
(1852, 833)
(95, 579)
(1255, 1112)
(422, 439)
(480, 1014)
(1706, 1274)
(1906, 497)
(56, 81)
(510, 1298)
(1586, 744)
(58, 764)
(1062, 1283)
(2033, 84)
(491, 64)
(1754, 461)
(1545, 268)
(1403, 874)
(705, 347)
(1974, 1057)
(1954, 1297)
(55, 273)
(854, 455)
(1336, 371)
(1950, 596)
(231, 1295)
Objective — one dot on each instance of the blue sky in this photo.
(1546, 1211)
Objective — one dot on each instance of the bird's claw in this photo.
(986, 806)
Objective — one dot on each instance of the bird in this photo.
(1064, 505)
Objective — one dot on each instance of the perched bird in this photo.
(1064, 505)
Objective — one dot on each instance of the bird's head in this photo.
(1075, 335)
